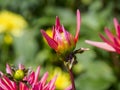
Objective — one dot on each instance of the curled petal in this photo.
(102, 45)
(78, 25)
(52, 43)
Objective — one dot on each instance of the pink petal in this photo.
(6, 84)
(116, 26)
(8, 69)
(50, 85)
(66, 34)
(31, 78)
(23, 86)
(78, 25)
(102, 45)
(36, 75)
(21, 67)
(105, 40)
(3, 85)
(118, 31)
(69, 88)
(1, 74)
(109, 34)
(52, 43)
(117, 43)
(44, 78)
(52, 82)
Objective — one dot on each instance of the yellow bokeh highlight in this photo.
(8, 39)
(11, 23)
(63, 79)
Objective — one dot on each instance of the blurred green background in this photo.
(22, 42)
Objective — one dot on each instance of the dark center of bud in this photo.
(18, 75)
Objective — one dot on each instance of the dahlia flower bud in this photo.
(62, 41)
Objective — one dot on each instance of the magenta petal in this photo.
(2, 85)
(117, 43)
(105, 40)
(78, 25)
(23, 86)
(118, 31)
(6, 84)
(31, 78)
(57, 23)
(102, 45)
(52, 43)
(109, 34)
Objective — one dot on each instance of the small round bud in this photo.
(18, 75)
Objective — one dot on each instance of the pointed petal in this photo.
(36, 75)
(1, 74)
(2, 85)
(78, 25)
(109, 34)
(118, 31)
(105, 40)
(23, 86)
(52, 82)
(116, 26)
(66, 34)
(44, 78)
(52, 43)
(6, 84)
(102, 45)
(31, 78)
(8, 69)
(57, 23)
(117, 43)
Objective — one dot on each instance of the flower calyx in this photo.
(71, 59)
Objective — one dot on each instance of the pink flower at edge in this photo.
(31, 79)
(112, 43)
(62, 41)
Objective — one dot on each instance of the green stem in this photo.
(72, 79)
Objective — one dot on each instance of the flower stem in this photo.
(72, 79)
